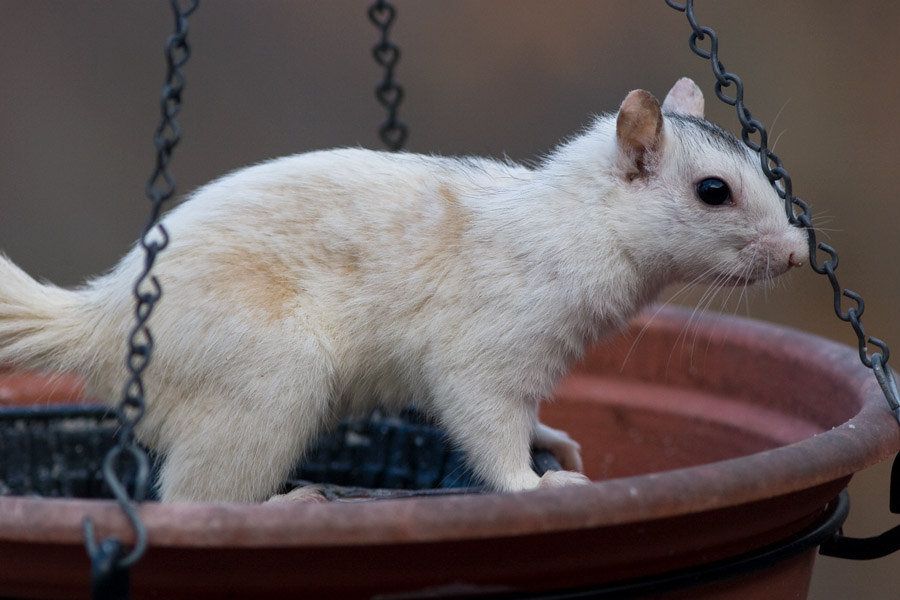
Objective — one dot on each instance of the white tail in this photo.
(42, 326)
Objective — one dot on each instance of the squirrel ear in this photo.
(685, 98)
(638, 129)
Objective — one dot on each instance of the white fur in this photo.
(307, 288)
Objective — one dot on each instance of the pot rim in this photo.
(867, 438)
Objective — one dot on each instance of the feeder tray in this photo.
(57, 451)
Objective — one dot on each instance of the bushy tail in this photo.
(42, 326)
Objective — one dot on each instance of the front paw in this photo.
(309, 493)
(552, 479)
(563, 448)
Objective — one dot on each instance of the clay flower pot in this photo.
(718, 439)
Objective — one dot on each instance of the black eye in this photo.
(713, 191)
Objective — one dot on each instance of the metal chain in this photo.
(108, 563)
(389, 93)
(798, 212)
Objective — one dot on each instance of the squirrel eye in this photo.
(713, 191)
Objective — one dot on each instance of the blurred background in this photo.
(79, 103)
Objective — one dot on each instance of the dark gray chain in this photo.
(389, 93)
(109, 566)
(798, 211)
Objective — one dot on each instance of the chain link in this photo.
(389, 93)
(106, 556)
(798, 212)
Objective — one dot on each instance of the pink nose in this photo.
(794, 261)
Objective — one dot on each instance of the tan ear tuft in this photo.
(685, 98)
(639, 127)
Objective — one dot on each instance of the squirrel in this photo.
(311, 287)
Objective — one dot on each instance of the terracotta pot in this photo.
(22, 389)
(709, 438)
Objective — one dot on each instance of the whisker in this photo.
(715, 293)
(691, 325)
(778, 137)
(640, 335)
(775, 120)
(737, 270)
(681, 292)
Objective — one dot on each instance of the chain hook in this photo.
(885, 377)
(109, 560)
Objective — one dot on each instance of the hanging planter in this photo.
(718, 450)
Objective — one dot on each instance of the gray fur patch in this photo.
(715, 135)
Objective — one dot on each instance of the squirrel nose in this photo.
(794, 261)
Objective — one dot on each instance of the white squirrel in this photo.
(310, 287)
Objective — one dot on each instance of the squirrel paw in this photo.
(552, 479)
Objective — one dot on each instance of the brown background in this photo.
(79, 101)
